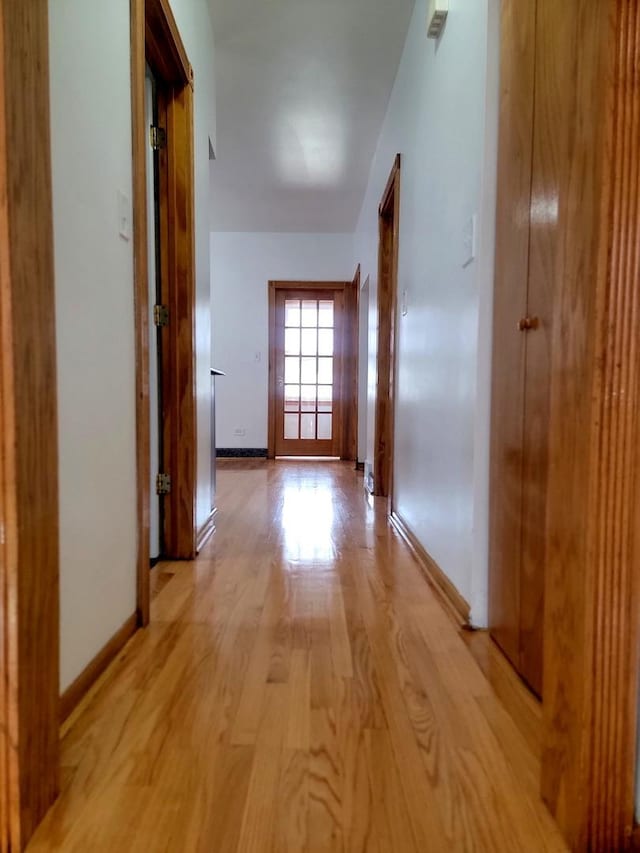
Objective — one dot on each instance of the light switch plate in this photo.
(124, 215)
(469, 240)
(405, 303)
(436, 16)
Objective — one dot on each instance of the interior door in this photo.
(522, 304)
(308, 389)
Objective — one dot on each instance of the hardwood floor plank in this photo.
(300, 688)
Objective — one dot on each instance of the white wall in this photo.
(242, 266)
(442, 118)
(91, 148)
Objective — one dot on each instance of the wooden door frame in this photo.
(155, 40)
(349, 361)
(389, 227)
(29, 646)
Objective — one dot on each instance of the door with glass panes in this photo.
(307, 348)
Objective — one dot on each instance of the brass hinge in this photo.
(161, 315)
(157, 137)
(163, 484)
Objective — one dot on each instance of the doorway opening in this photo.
(389, 230)
(313, 411)
(164, 258)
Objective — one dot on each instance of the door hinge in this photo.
(163, 484)
(161, 315)
(157, 137)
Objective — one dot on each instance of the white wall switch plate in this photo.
(469, 240)
(124, 215)
(405, 303)
(436, 17)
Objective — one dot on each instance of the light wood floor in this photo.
(300, 688)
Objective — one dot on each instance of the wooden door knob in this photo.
(525, 324)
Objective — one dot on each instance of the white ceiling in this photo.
(302, 90)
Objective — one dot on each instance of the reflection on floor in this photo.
(300, 688)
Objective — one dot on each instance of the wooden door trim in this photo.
(592, 607)
(350, 411)
(164, 46)
(29, 738)
(389, 223)
(155, 39)
(351, 355)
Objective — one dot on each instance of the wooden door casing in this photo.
(29, 569)
(345, 445)
(592, 586)
(155, 40)
(388, 252)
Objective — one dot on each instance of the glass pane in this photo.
(310, 313)
(325, 398)
(324, 427)
(292, 341)
(309, 371)
(292, 371)
(325, 342)
(325, 370)
(292, 398)
(291, 427)
(307, 426)
(326, 314)
(292, 312)
(308, 398)
(310, 342)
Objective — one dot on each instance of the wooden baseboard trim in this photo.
(455, 603)
(72, 696)
(206, 530)
(241, 453)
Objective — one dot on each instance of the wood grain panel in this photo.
(178, 344)
(389, 237)
(592, 603)
(543, 222)
(28, 431)
(517, 51)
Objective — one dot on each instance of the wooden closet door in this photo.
(543, 219)
(510, 304)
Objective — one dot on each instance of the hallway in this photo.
(300, 688)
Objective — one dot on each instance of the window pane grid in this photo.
(308, 391)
